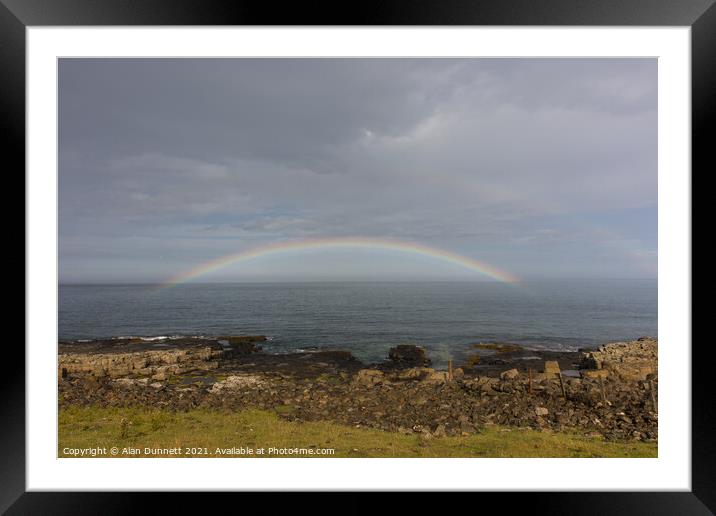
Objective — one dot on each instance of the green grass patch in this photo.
(208, 431)
(284, 409)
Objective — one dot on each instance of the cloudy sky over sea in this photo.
(544, 168)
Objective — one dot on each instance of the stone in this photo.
(408, 355)
(437, 377)
(551, 367)
(369, 377)
(243, 344)
(414, 373)
(594, 373)
(143, 363)
(541, 411)
(633, 360)
(510, 374)
(488, 390)
(119, 372)
(140, 363)
(237, 382)
(124, 382)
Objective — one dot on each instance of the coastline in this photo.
(607, 392)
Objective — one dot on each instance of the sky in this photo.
(542, 168)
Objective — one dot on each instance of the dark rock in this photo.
(408, 355)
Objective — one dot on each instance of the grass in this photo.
(130, 429)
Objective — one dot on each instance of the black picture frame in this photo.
(17, 15)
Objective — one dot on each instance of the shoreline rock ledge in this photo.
(633, 360)
(614, 392)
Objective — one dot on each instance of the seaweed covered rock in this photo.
(408, 355)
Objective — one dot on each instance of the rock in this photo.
(242, 344)
(458, 373)
(541, 411)
(156, 363)
(124, 382)
(437, 377)
(466, 429)
(237, 382)
(425, 435)
(510, 374)
(595, 373)
(633, 360)
(414, 373)
(488, 390)
(440, 431)
(369, 377)
(551, 367)
(408, 355)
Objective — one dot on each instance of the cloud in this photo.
(202, 157)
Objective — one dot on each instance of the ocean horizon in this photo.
(367, 317)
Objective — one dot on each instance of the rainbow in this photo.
(354, 242)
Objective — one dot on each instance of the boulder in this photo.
(408, 355)
(541, 411)
(486, 387)
(437, 377)
(510, 374)
(551, 367)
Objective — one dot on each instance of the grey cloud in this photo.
(202, 156)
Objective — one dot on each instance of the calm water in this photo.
(369, 318)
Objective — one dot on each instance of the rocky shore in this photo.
(609, 391)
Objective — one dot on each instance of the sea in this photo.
(368, 318)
